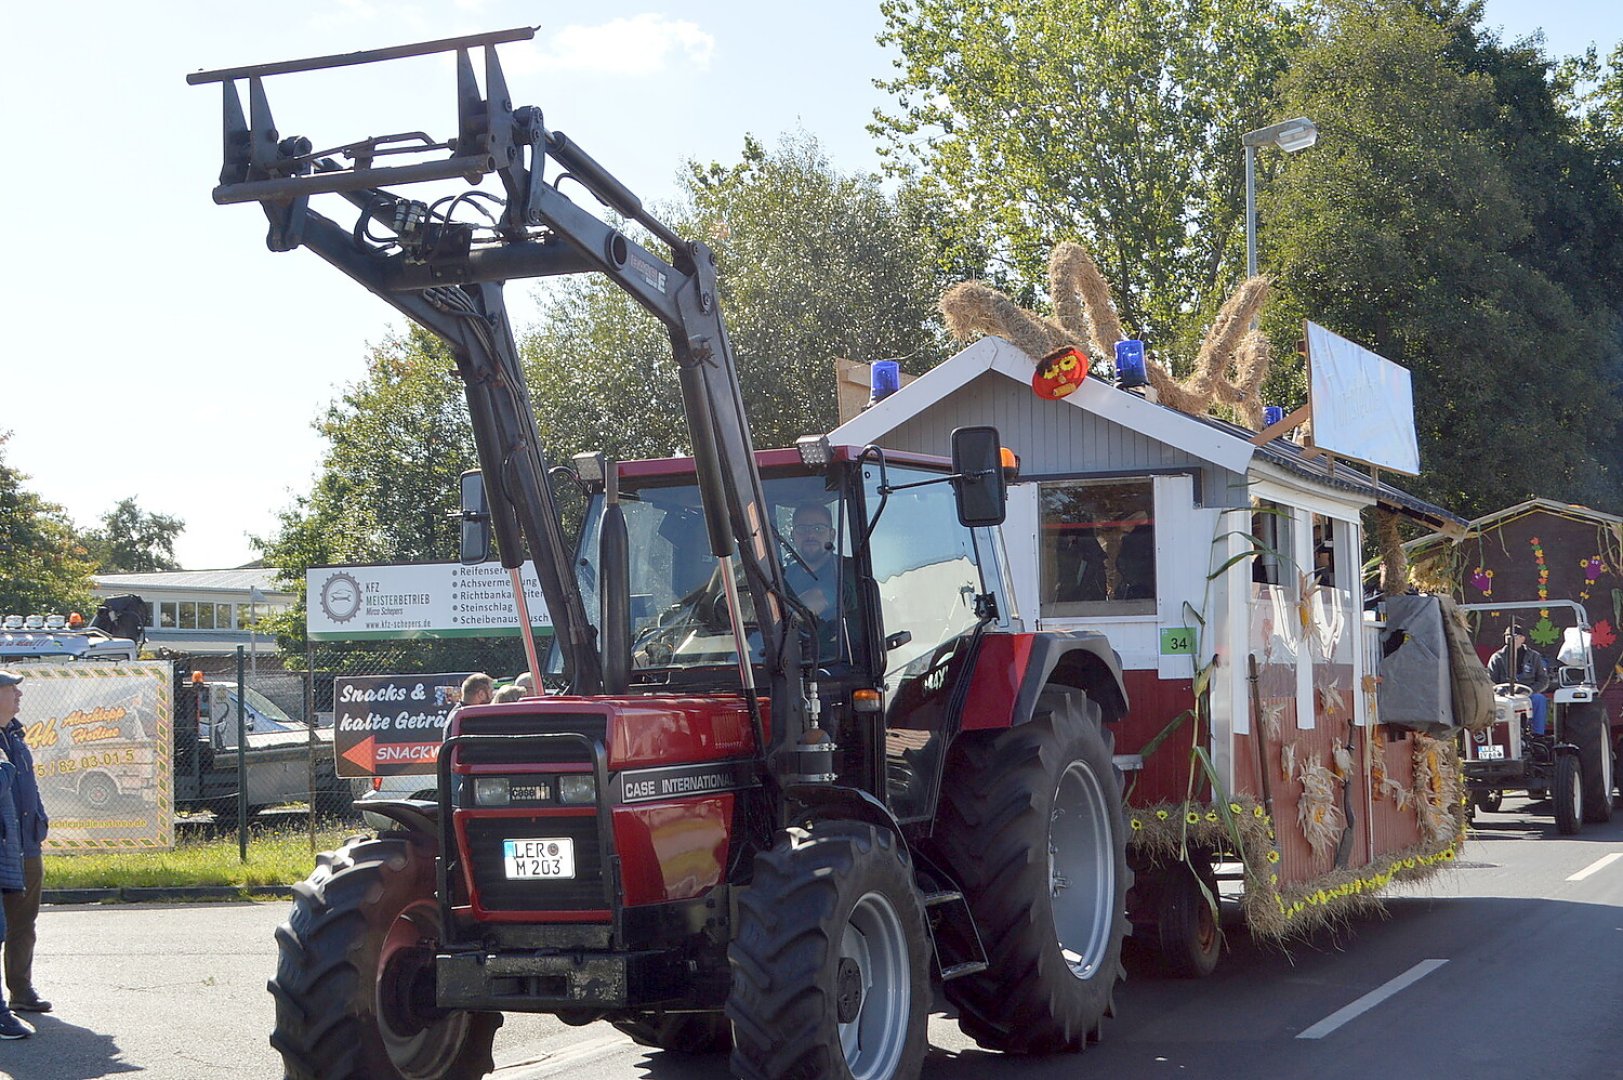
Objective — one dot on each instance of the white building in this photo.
(203, 611)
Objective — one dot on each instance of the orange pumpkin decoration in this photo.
(1059, 373)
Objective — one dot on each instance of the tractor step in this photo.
(942, 896)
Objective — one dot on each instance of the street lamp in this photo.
(1290, 136)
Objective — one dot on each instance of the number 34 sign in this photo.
(1177, 641)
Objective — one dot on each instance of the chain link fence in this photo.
(137, 755)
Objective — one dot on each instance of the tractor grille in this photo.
(592, 725)
(584, 892)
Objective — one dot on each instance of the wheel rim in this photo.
(98, 792)
(422, 1039)
(1577, 791)
(873, 988)
(1205, 923)
(1081, 870)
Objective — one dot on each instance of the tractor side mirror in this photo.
(978, 480)
(475, 519)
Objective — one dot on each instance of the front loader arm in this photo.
(447, 275)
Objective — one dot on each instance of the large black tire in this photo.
(1567, 795)
(1053, 968)
(1188, 931)
(680, 1033)
(830, 960)
(1587, 728)
(354, 975)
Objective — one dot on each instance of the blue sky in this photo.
(157, 349)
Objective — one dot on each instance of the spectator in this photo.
(510, 692)
(22, 907)
(11, 879)
(1527, 667)
(477, 689)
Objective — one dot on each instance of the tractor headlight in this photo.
(491, 791)
(577, 788)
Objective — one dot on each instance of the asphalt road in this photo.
(1509, 965)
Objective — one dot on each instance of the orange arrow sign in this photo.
(364, 753)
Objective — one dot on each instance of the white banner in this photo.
(1363, 404)
(362, 603)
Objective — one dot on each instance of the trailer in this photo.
(1273, 729)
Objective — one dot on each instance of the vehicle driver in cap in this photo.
(1516, 663)
(814, 574)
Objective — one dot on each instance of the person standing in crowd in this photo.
(22, 906)
(11, 879)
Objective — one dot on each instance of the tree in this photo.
(43, 566)
(1431, 222)
(1116, 123)
(132, 541)
(397, 442)
(812, 265)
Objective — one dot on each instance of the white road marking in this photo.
(1371, 999)
(1599, 864)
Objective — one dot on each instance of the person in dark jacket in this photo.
(22, 908)
(1516, 663)
(11, 879)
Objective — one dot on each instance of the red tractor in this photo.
(807, 763)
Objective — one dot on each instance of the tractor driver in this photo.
(1516, 663)
(814, 573)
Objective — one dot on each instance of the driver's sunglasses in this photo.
(812, 530)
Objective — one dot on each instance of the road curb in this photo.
(166, 894)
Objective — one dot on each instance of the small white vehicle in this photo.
(1571, 765)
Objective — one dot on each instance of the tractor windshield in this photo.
(678, 607)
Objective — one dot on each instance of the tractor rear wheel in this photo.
(1587, 728)
(1030, 826)
(830, 961)
(354, 983)
(1567, 793)
(679, 1033)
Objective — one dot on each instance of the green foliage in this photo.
(397, 442)
(1450, 219)
(812, 265)
(274, 858)
(1112, 122)
(44, 568)
(130, 540)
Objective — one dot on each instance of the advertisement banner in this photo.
(437, 600)
(391, 725)
(102, 740)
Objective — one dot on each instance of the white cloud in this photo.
(646, 44)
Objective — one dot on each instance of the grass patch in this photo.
(278, 857)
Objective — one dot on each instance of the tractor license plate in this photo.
(546, 858)
(1490, 753)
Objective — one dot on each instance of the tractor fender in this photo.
(842, 803)
(416, 816)
(1013, 669)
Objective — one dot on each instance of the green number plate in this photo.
(1178, 641)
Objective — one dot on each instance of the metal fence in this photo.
(137, 756)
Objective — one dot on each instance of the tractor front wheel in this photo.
(830, 961)
(354, 983)
(1567, 793)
